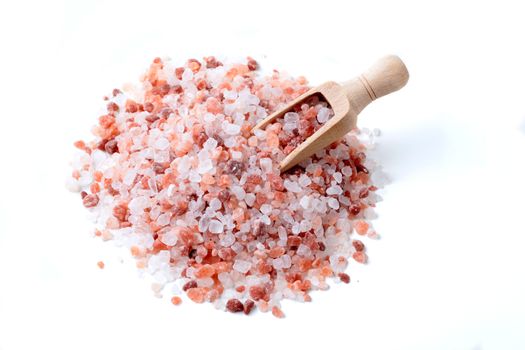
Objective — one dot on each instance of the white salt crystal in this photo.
(334, 190)
(164, 219)
(333, 203)
(194, 177)
(242, 266)
(227, 240)
(323, 115)
(260, 134)
(209, 144)
(187, 74)
(347, 171)
(215, 226)
(303, 250)
(266, 165)
(204, 222)
(304, 180)
(215, 204)
(266, 209)
(205, 166)
(231, 129)
(292, 186)
(239, 192)
(338, 177)
(138, 204)
(266, 220)
(305, 225)
(305, 202)
(162, 143)
(296, 228)
(277, 263)
(169, 238)
(184, 165)
(287, 261)
(235, 155)
(129, 177)
(230, 94)
(230, 142)
(249, 199)
(291, 117)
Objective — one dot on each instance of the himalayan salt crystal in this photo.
(175, 173)
(242, 266)
(234, 305)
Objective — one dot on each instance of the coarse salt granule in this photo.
(175, 174)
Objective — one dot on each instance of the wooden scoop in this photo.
(387, 75)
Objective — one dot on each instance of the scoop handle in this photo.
(387, 75)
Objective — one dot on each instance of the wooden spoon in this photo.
(387, 75)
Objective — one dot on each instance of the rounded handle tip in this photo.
(387, 75)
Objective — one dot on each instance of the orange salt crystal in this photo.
(240, 289)
(326, 271)
(276, 252)
(97, 176)
(135, 251)
(100, 265)
(361, 227)
(272, 139)
(176, 300)
(277, 312)
(95, 187)
(75, 174)
(197, 294)
(205, 271)
(360, 257)
(80, 144)
(208, 179)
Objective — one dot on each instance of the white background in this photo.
(448, 272)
